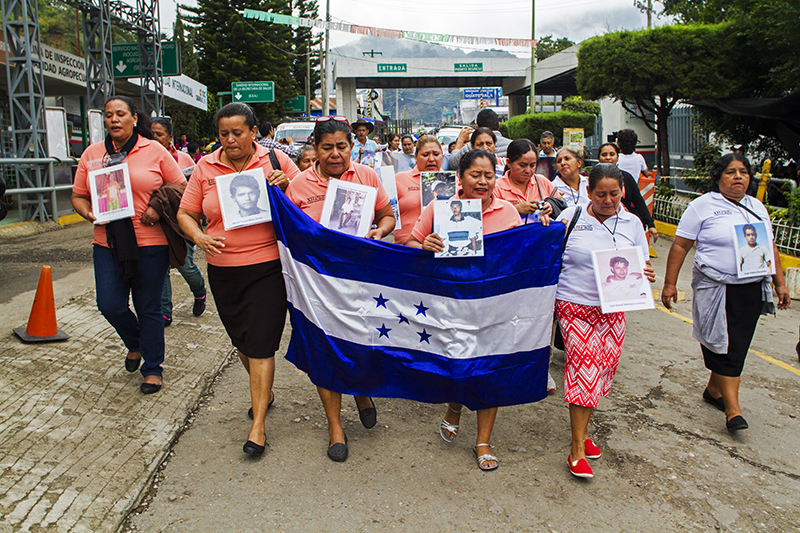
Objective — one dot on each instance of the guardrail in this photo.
(52, 188)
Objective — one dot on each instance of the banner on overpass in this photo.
(277, 18)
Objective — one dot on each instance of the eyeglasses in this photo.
(337, 118)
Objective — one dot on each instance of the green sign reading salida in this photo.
(468, 67)
(392, 67)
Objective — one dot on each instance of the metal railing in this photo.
(52, 188)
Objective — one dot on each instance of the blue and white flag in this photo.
(378, 319)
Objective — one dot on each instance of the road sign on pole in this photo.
(252, 92)
(126, 60)
(296, 104)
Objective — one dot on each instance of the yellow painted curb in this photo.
(18, 224)
(666, 229)
(70, 219)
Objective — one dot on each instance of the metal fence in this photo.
(670, 208)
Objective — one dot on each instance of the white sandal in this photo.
(444, 425)
(485, 459)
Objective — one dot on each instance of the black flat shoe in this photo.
(250, 411)
(736, 423)
(338, 452)
(251, 448)
(199, 306)
(150, 388)
(131, 365)
(719, 403)
(368, 416)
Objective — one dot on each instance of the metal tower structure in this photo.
(26, 94)
(97, 46)
(150, 54)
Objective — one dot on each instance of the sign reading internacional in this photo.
(392, 67)
(253, 92)
(468, 67)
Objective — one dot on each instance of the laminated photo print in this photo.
(387, 177)
(754, 250)
(621, 283)
(459, 223)
(349, 207)
(243, 199)
(437, 186)
(110, 189)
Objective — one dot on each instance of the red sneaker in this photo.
(579, 468)
(592, 451)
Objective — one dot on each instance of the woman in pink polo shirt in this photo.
(244, 267)
(409, 200)
(333, 143)
(476, 170)
(130, 255)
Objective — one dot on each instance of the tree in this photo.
(305, 46)
(232, 48)
(649, 71)
(547, 46)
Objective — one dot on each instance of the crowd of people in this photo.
(599, 209)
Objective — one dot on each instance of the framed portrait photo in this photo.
(460, 225)
(110, 189)
(243, 199)
(387, 177)
(349, 207)
(621, 283)
(754, 250)
(437, 186)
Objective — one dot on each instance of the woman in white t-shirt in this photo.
(573, 186)
(629, 160)
(725, 307)
(592, 339)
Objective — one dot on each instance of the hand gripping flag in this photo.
(378, 319)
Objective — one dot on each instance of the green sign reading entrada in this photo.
(468, 67)
(392, 67)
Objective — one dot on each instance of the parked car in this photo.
(448, 134)
(298, 132)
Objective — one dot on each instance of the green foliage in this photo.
(664, 188)
(504, 130)
(705, 157)
(232, 48)
(531, 126)
(576, 104)
(793, 211)
(697, 183)
(58, 28)
(305, 46)
(547, 46)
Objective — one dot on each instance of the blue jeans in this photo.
(193, 277)
(144, 331)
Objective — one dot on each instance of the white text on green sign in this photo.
(392, 67)
(468, 67)
(253, 91)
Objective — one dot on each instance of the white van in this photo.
(298, 132)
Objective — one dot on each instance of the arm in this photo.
(463, 138)
(277, 178)
(779, 281)
(385, 221)
(432, 243)
(189, 222)
(632, 191)
(83, 206)
(677, 254)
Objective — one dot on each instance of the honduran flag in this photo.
(378, 319)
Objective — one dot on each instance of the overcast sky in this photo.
(574, 19)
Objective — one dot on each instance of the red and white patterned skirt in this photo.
(593, 344)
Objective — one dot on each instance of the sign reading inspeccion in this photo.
(468, 67)
(392, 67)
(253, 91)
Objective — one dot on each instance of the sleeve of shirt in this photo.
(170, 170)
(193, 195)
(424, 225)
(690, 224)
(354, 153)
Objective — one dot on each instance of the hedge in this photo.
(531, 126)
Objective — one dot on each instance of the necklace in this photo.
(247, 160)
(602, 223)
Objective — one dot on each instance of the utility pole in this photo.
(326, 106)
(308, 81)
(649, 14)
(372, 53)
(533, 54)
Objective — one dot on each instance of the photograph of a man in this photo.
(245, 193)
(243, 199)
(753, 256)
(460, 227)
(621, 284)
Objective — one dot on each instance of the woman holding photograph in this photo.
(525, 189)
(725, 307)
(409, 201)
(573, 186)
(130, 255)
(592, 339)
(244, 268)
(333, 142)
(477, 174)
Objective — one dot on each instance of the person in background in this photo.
(194, 151)
(182, 143)
(306, 157)
(486, 118)
(162, 130)
(407, 143)
(547, 144)
(393, 143)
(725, 307)
(266, 140)
(130, 255)
(570, 182)
(632, 200)
(362, 128)
(629, 160)
(409, 201)
(592, 339)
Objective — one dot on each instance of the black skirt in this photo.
(251, 302)
(742, 308)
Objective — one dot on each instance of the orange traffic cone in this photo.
(42, 325)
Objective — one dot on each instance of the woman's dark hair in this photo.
(163, 121)
(236, 109)
(604, 170)
(391, 137)
(722, 163)
(612, 145)
(470, 157)
(192, 147)
(519, 148)
(404, 137)
(482, 131)
(626, 140)
(142, 126)
(242, 180)
(328, 127)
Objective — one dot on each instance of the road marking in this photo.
(763, 356)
